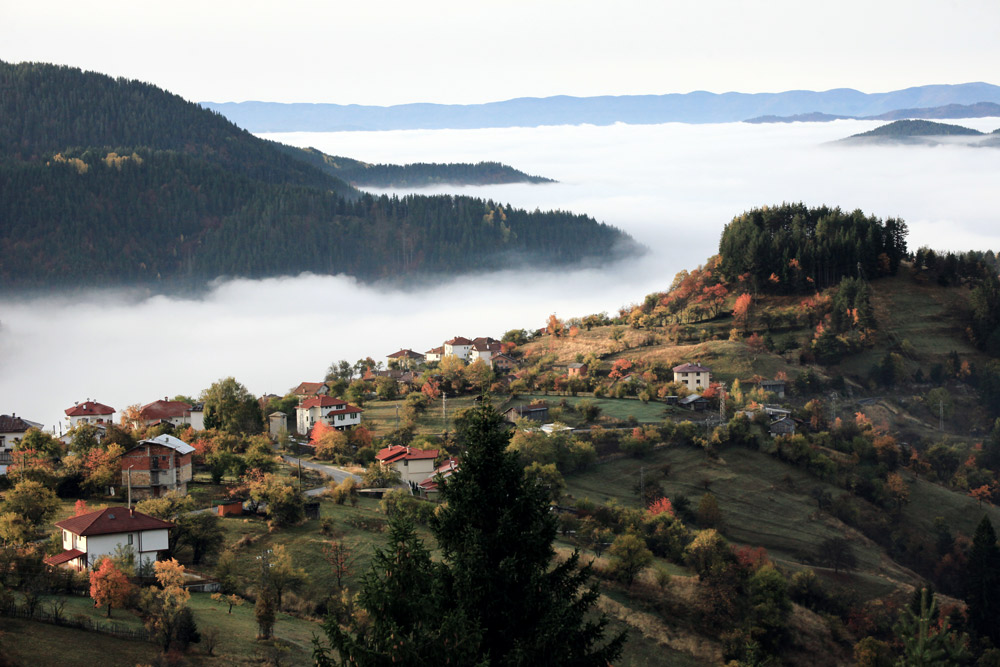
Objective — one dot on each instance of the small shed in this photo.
(278, 423)
(783, 426)
(230, 507)
(774, 386)
(694, 402)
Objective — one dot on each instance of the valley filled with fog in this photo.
(672, 187)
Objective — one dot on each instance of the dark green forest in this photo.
(918, 128)
(114, 182)
(791, 248)
(416, 175)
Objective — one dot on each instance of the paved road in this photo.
(331, 471)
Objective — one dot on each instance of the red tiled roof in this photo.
(111, 520)
(400, 453)
(64, 557)
(691, 368)
(349, 410)
(164, 410)
(458, 340)
(9, 424)
(406, 353)
(308, 388)
(321, 402)
(88, 408)
(436, 350)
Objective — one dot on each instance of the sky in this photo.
(385, 52)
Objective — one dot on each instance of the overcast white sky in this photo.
(455, 51)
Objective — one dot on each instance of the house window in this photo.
(342, 417)
(130, 538)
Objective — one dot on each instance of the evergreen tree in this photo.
(496, 598)
(982, 591)
(925, 644)
(408, 623)
(495, 531)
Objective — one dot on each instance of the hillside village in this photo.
(749, 471)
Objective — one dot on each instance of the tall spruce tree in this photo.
(495, 531)
(407, 619)
(982, 591)
(497, 597)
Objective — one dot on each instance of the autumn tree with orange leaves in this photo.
(110, 586)
(741, 311)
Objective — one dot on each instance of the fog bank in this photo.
(672, 187)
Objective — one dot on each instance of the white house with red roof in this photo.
(12, 430)
(89, 536)
(459, 347)
(414, 465)
(177, 413)
(429, 486)
(485, 349)
(693, 376)
(328, 409)
(434, 354)
(90, 412)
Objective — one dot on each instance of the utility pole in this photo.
(130, 486)
(444, 410)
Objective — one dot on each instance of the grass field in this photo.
(763, 502)
(380, 416)
(618, 409)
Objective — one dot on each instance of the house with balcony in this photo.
(88, 537)
(328, 409)
(90, 412)
(157, 466)
(12, 430)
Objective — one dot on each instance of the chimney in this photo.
(131, 512)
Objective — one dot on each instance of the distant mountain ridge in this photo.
(949, 111)
(694, 107)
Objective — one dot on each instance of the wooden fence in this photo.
(12, 610)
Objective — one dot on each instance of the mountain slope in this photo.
(113, 182)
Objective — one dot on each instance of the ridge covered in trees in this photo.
(112, 182)
(416, 175)
(793, 249)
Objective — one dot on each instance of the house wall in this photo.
(172, 471)
(416, 470)
(197, 420)
(91, 419)
(344, 420)
(146, 543)
(694, 380)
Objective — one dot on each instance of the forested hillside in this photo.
(416, 175)
(791, 248)
(112, 182)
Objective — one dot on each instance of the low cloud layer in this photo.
(672, 187)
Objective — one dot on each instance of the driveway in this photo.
(337, 474)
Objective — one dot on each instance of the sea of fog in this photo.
(671, 186)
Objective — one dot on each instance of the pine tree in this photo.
(982, 591)
(496, 598)
(495, 531)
